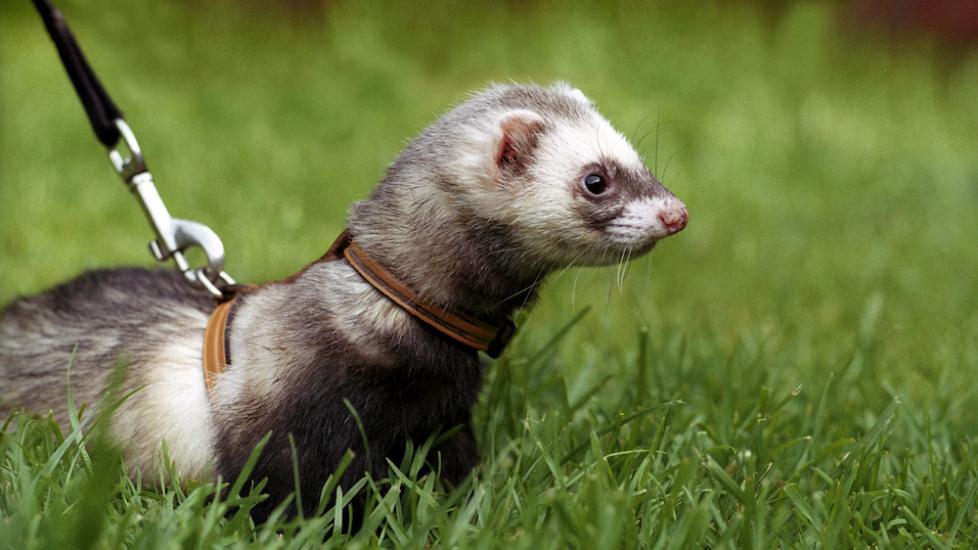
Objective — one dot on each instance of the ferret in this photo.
(510, 185)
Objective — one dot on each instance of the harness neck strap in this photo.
(468, 331)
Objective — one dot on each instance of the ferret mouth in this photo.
(615, 251)
(645, 248)
(635, 245)
(641, 248)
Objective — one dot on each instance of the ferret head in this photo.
(570, 188)
(513, 183)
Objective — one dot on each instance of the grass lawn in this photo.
(796, 369)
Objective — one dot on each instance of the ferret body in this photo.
(512, 184)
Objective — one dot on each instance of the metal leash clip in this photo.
(173, 235)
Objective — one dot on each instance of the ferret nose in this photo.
(674, 217)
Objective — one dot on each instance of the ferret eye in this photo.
(595, 184)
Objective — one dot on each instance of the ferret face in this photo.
(571, 187)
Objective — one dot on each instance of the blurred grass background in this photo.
(830, 173)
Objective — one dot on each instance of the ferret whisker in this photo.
(572, 263)
(574, 289)
(668, 162)
(658, 120)
(525, 290)
(637, 143)
(526, 298)
(624, 273)
(622, 267)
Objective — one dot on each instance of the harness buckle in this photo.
(173, 235)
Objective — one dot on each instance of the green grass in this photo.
(796, 369)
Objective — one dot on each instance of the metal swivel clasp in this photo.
(173, 235)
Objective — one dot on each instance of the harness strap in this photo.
(468, 331)
(465, 330)
(215, 343)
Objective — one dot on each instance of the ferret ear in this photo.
(519, 131)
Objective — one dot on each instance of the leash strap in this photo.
(102, 111)
(173, 235)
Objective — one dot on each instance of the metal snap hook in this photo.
(173, 235)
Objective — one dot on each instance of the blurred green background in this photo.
(830, 172)
(823, 168)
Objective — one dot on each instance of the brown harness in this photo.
(467, 331)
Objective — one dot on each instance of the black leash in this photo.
(102, 111)
(173, 236)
